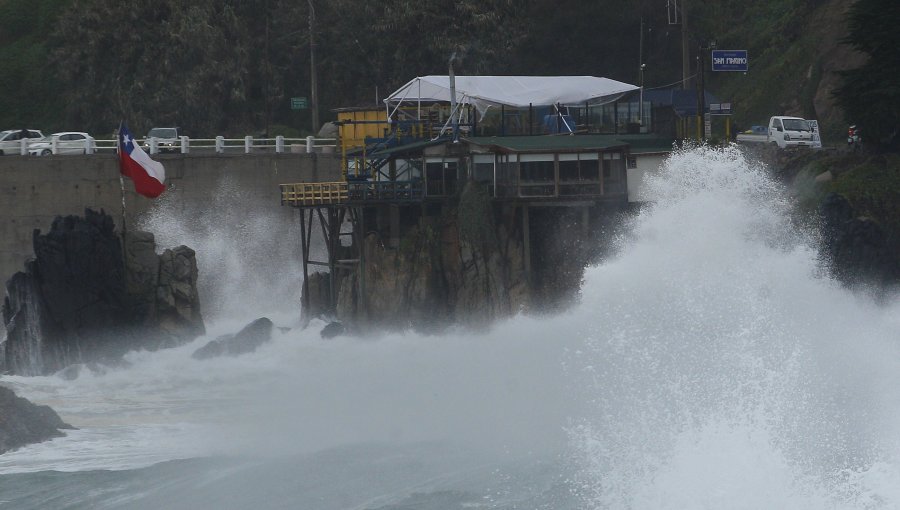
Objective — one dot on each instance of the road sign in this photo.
(729, 60)
(299, 103)
(720, 108)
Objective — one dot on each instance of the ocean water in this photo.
(710, 363)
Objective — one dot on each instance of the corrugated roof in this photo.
(404, 149)
(637, 144)
(564, 143)
(646, 144)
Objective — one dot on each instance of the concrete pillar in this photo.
(279, 144)
(220, 144)
(310, 145)
(89, 145)
(54, 145)
(154, 145)
(185, 145)
(248, 144)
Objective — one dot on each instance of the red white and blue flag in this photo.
(148, 175)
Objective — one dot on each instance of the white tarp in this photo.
(515, 91)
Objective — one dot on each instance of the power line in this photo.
(673, 83)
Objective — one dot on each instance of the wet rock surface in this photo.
(857, 246)
(23, 423)
(83, 299)
(246, 340)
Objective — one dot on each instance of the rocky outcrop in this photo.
(82, 299)
(246, 340)
(857, 246)
(445, 269)
(332, 330)
(23, 423)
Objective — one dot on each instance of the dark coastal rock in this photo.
(246, 340)
(23, 423)
(82, 299)
(317, 284)
(440, 274)
(857, 246)
(332, 329)
(177, 299)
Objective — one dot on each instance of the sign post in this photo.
(730, 60)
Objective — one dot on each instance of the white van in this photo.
(790, 132)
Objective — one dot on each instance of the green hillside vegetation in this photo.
(231, 66)
(30, 96)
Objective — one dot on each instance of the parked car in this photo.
(10, 139)
(68, 142)
(167, 139)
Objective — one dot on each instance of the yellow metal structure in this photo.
(357, 124)
(314, 193)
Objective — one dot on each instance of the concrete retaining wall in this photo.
(34, 190)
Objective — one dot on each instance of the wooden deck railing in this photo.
(326, 193)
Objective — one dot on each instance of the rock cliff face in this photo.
(436, 278)
(81, 299)
(463, 263)
(444, 270)
(857, 246)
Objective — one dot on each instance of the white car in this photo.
(10, 140)
(67, 142)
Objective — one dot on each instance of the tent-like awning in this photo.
(515, 91)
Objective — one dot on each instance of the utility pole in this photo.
(642, 66)
(701, 100)
(454, 119)
(314, 93)
(685, 49)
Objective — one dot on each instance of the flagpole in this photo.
(122, 188)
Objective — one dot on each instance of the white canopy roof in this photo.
(515, 91)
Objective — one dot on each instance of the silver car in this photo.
(10, 140)
(167, 139)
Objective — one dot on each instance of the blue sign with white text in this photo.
(729, 60)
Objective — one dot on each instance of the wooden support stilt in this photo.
(526, 242)
(304, 249)
(363, 308)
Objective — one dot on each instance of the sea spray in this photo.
(723, 368)
(709, 364)
(247, 249)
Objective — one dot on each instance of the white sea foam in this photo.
(709, 364)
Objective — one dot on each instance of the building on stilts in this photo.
(470, 197)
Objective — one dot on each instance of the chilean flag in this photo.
(148, 175)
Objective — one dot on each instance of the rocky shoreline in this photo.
(23, 423)
(82, 299)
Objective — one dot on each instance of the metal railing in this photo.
(313, 193)
(184, 145)
(326, 193)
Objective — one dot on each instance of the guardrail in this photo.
(184, 145)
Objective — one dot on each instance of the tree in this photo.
(870, 95)
(160, 62)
